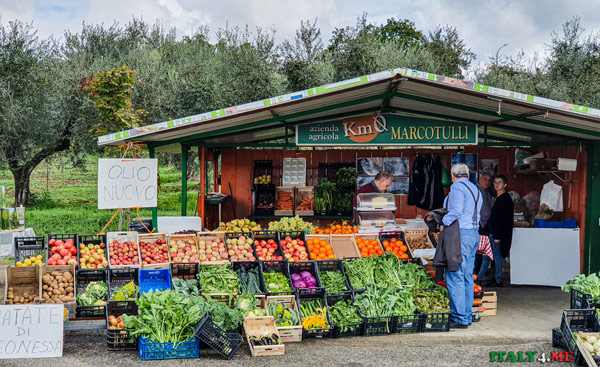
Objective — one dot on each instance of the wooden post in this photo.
(154, 211)
(184, 152)
(201, 211)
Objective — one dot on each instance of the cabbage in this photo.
(300, 284)
(296, 277)
(311, 281)
(305, 274)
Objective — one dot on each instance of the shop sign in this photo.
(127, 183)
(384, 130)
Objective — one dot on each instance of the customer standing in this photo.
(501, 225)
(464, 205)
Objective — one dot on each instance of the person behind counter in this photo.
(381, 183)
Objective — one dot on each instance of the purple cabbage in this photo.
(300, 284)
(311, 281)
(305, 274)
(296, 277)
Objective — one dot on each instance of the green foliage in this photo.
(111, 91)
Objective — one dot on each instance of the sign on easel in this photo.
(127, 183)
(31, 331)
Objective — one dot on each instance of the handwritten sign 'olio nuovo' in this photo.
(127, 183)
(31, 331)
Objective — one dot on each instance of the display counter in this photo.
(544, 256)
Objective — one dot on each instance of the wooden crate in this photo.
(326, 237)
(490, 302)
(151, 237)
(288, 334)
(370, 237)
(344, 245)
(123, 237)
(584, 352)
(204, 236)
(193, 238)
(301, 194)
(254, 326)
(411, 233)
(47, 269)
(23, 279)
(286, 212)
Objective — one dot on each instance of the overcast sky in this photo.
(484, 25)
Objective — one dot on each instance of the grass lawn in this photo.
(65, 198)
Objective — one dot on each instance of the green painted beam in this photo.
(495, 114)
(591, 250)
(184, 171)
(154, 210)
(254, 124)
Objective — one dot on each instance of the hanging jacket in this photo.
(437, 200)
(448, 254)
(416, 185)
(425, 189)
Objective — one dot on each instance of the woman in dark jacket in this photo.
(500, 224)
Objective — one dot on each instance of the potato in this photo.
(45, 286)
(55, 274)
(10, 302)
(68, 276)
(62, 291)
(26, 295)
(56, 292)
(65, 298)
(71, 295)
(69, 289)
(10, 289)
(10, 296)
(31, 298)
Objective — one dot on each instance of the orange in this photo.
(385, 243)
(403, 248)
(331, 256)
(404, 256)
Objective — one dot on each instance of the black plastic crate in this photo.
(296, 267)
(275, 266)
(406, 324)
(380, 325)
(236, 235)
(399, 235)
(333, 265)
(265, 235)
(355, 329)
(118, 277)
(582, 300)
(315, 333)
(83, 277)
(224, 343)
(435, 322)
(64, 237)
(293, 234)
(558, 340)
(119, 339)
(184, 270)
(478, 295)
(249, 265)
(585, 320)
(26, 247)
(352, 288)
(264, 199)
(263, 167)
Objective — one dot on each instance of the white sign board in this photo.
(31, 331)
(127, 183)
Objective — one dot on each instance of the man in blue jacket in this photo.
(464, 205)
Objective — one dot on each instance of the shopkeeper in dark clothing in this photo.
(381, 183)
(501, 225)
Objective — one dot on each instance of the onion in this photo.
(300, 284)
(305, 274)
(296, 277)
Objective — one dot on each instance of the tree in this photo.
(32, 124)
(451, 51)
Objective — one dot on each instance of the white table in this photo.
(7, 247)
(544, 256)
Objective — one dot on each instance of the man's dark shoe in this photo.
(494, 284)
(456, 325)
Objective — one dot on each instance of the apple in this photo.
(294, 249)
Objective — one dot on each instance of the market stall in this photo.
(284, 250)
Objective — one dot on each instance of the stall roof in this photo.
(505, 115)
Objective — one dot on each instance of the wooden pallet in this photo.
(490, 302)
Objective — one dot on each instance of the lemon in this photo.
(19, 263)
(40, 257)
(27, 262)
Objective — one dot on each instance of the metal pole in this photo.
(154, 211)
(184, 153)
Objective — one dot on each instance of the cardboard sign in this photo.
(31, 331)
(127, 183)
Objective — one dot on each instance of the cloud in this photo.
(485, 26)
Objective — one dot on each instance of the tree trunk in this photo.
(22, 190)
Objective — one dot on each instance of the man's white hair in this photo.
(460, 170)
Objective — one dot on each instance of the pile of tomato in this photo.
(368, 247)
(344, 228)
(320, 249)
(396, 247)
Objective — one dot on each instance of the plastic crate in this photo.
(333, 265)
(83, 277)
(154, 280)
(149, 350)
(294, 235)
(275, 266)
(356, 329)
(263, 167)
(224, 343)
(558, 340)
(231, 235)
(117, 278)
(268, 235)
(585, 320)
(264, 195)
(315, 333)
(119, 339)
(63, 237)
(297, 267)
(435, 322)
(26, 247)
(582, 300)
(567, 223)
(352, 288)
(406, 324)
(184, 270)
(249, 265)
(478, 294)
